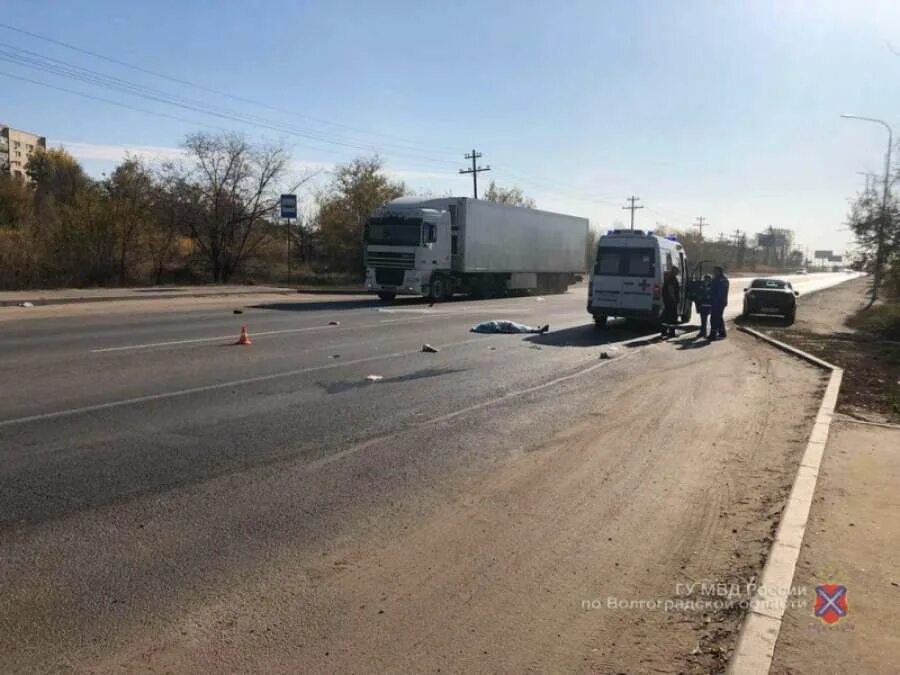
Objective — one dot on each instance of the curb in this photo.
(43, 302)
(759, 632)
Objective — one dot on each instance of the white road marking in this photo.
(300, 371)
(213, 387)
(148, 345)
(253, 334)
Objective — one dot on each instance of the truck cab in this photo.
(407, 247)
(628, 275)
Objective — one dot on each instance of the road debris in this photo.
(508, 327)
(374, 378)
(26, 304)
(605, 355)
(428, 348)
(238, 311)
(334, 323)
(335, 356)
(538, 299)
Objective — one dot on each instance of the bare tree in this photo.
(345, 204)
(130, 192)
(236, 191)
(513, 196)
(174, 203)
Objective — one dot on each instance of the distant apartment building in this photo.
(16, 147)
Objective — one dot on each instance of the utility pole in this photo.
(700, 225)
(475, 170)
(739, 248)
(631, 207)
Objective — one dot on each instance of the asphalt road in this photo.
(108, 421)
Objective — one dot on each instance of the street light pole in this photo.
(879, 235)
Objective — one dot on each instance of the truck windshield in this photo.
(394, 230)
(625, 262)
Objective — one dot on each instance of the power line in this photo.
(475, 170)
(23, 57)
(631, 207)
(138, 109)
(208, 89)
(700, 225)
(70, 71)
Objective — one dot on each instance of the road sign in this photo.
(289, 206)
(823, 255)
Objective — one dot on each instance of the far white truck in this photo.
(438, 247)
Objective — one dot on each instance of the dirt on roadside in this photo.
(870, 389)
(455, 547)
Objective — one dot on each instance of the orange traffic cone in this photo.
(244, 339)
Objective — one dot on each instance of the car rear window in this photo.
(768, 283)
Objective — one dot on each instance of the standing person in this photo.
(718, 300)
(671, 292)
(701, 301)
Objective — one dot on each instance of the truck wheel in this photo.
(386, 296)
(600, 320)
(439, 290)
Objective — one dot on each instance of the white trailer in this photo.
(438, 247)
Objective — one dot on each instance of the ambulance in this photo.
(628, 275)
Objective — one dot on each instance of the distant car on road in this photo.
(771, 297)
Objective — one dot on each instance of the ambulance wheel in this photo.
(599, 320)
(384, 296)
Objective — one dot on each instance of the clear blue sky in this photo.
(723, 109)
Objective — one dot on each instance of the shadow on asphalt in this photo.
(587, 335)
(695, 342)
(317, 306)
(349, 385)
(355, 303)
(762, 321)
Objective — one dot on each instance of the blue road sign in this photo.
(288, 206)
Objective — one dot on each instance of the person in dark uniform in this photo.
(718, 301)
(671, 292)
(701, 302)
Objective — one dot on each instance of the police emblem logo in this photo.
(831, 603)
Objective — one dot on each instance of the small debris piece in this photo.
(238, 311)
(335, 356)
(26, 304)
(334, 323)
(431, 350)
(374, 378)
(604, 355)
(539, 299)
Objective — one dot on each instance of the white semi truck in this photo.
(438, 247)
